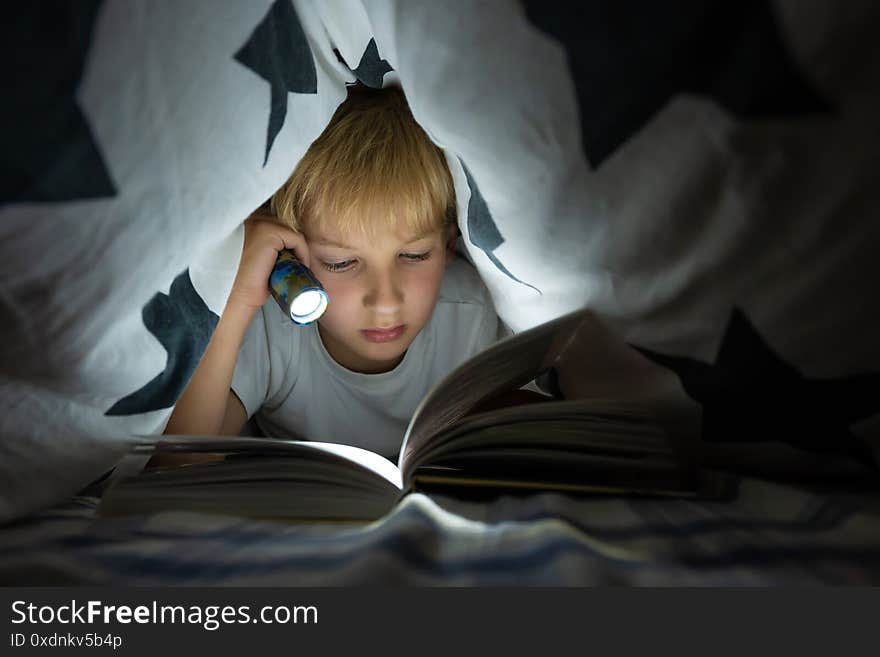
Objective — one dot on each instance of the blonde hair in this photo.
(372, 161)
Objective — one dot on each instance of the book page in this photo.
(355, 457)
(363, 457)
(261, 478)
(511, 363)
(584, 445)
(591, 362)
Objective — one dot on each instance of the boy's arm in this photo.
(235, 417)
(208, 405)
(233, 421)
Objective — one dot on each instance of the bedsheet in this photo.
(762, 534)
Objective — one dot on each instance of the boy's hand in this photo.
(264, 237)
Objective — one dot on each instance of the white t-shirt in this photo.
(285, 377)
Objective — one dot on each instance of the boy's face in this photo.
(382, 292)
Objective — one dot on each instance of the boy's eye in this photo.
(337, 266)
(416, 257)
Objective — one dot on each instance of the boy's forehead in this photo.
(370, 220)
(330, 235)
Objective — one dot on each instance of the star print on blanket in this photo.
(183, 324)
(279, 52)
(56, 157)
(751, 394)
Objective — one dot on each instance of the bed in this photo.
(763, 534)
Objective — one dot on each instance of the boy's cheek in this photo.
(341, 307)
(336, 292)
(436, 280)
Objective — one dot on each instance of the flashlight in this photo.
(299, 294)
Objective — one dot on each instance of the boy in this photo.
(371, 210)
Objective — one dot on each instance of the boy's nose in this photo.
(384, 295)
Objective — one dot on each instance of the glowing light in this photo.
(308, 306)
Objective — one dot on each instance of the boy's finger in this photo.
(261, 215)
(296, 242)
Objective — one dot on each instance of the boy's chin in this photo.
(377, 364)
(385, 352)
(384, 357)
(358, 354)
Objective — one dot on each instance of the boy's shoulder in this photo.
(462, 284)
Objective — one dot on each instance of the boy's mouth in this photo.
(384, 335)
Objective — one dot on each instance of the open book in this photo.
(606, 428)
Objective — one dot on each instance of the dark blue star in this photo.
(183, 324)
(49, 152)
(483, 232)
(279, 53)
(628, 58)
(371, 69)
(751, 395)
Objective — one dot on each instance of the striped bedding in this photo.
(764, 534)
